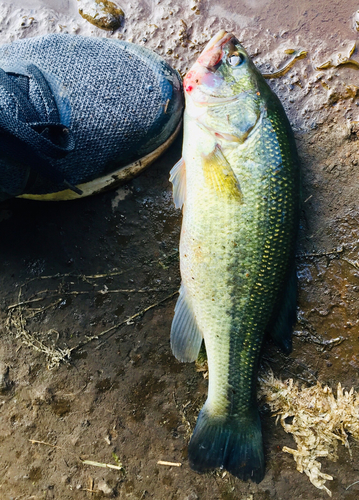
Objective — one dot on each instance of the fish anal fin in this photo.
(281, 328)
(186, 339)
(178, 179)
(219, 175)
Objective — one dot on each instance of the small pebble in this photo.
(104, 487)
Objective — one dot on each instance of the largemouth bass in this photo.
(238, 182)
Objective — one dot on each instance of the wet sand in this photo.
(98, 261)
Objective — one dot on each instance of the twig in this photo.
(104, 466)
(25, 302)
(307, 381)
(91, 486)
(16, 320)
(330, 342)
(41, 310)
(141, 290)
(125, 322)
(56, 354)
(170, 464)
(81, 276)
(356, 482)
(338, 251)
(297, 54)
(76, 292)
(316, 339)
(35, 441)
(351, 262)
(102, 275)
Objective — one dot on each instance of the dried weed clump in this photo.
(319, 420)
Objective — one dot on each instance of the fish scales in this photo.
(244, 246)
(240, 217)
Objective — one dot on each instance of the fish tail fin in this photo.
(228, 442)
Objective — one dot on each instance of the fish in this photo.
(238, 183)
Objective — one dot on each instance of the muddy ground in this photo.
(79, 380)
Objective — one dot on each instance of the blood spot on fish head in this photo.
(194, 78)
(188, 82)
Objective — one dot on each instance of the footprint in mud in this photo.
(35, 474)
(60, 407)
(142, 393)
(106, 384)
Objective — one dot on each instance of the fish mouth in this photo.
(218, 40)
(213, 51)
(205, 68)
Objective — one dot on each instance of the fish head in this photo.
(222, 70)
(222, 89)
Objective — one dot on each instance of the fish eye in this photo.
(235, 59)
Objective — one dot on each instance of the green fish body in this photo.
(239, 185)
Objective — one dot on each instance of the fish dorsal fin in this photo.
(219, 175)
(178, 179)
(186, 339)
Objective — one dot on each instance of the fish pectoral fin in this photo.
(186, 339)
(281, 329)
(219, 175)
(178, 179)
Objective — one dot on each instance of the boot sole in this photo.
(108, 181)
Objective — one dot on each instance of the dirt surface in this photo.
(70, 272)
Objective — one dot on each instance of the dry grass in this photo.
(20, 314)
(16, 324)
(320, 420)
